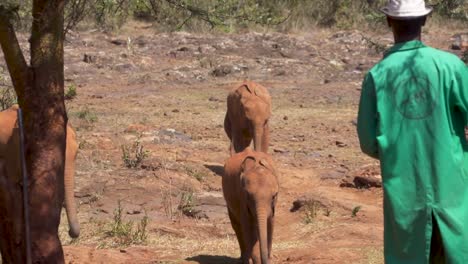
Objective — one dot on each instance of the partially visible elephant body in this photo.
(250, 188)
(247, 116)
(10, 164)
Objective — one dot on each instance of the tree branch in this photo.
(14, 57)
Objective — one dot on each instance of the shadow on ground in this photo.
(218, 169)
(206, 259)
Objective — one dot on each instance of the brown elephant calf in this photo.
(250, 188)
(247, 116)
(9, 157)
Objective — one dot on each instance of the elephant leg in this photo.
(228, 130)
(236, 226)
(234, 142)
(266, 138)
(249, 235)
(247, 136)
(256, 252)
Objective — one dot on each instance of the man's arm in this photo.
(367, 118)
(460, 85)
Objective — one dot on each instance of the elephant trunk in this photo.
(262, 235)
(258, 137)
(69, 185)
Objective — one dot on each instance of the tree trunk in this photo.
(40, 95)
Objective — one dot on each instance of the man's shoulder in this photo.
(441, 57)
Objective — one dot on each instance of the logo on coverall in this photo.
(414, 98)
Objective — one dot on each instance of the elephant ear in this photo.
(248, 88)
(265, 163)
(248, 163)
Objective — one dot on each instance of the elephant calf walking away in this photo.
(247, 116)
(250, 188)
(9, 157)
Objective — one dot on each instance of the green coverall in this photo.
(412, 114)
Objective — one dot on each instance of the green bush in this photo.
(7, 98)
(133, 155)
(124, 233)
(231, 15)
(71, 92)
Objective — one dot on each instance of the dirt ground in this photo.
(168, 91)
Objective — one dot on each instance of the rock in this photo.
(280, 73)
(279, 150)
(118, 42)
(367, 182)
(88, 58)
(133, 211)
(136, 128)
(285, 118)
(460, 42)
(122, 67)
(332, 175)
(175, 111)
(222, 70)
(208, 205)
(340, 144)
(183, 49)
(206, 49)
(213, 99)
(366, 177)
(171, 136)
(311, 199)
(141, 41)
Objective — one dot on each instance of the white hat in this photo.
(406, 9)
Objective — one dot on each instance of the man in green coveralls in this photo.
(412, 114)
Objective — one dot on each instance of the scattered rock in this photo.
(366, 177)
(140, 41)
(183, 49)
(367, 182)
(340, 144)
(136, 128)
(122, 67)
(310, 199)
(118, 42)
(134, 211)
(208, 205)
(332, 175)
(171, 136)
(222, 70)
(88, 58)
(460, 42)
(213, 99)
(280, 150)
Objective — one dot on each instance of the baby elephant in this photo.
(250, 188)
(248, 112)
(9, 157)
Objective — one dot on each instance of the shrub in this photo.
(187, 203)
(71, 92)
(134, 155)
(87, 115)
(123, 232)
(7, 98)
